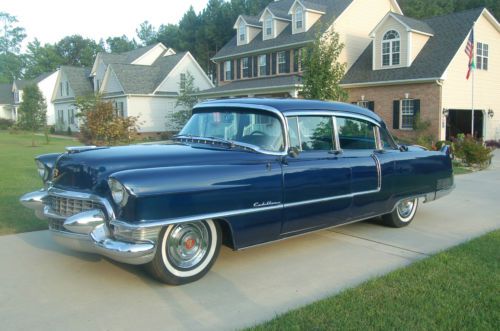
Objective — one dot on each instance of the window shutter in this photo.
(287, 61)
(250, 67)
(255, 66)
(354, 103)
(238, 69)
(395, 114)
(371, 105)
(232, 69)
(268, 64)
(221, 71)
(273, 57)
(296, 60)
(416, 111)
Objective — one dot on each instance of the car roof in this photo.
(288, 106)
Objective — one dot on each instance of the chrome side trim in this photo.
(379, 171)
(284, 123)
(350, 195)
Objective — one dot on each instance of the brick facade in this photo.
(429, 95)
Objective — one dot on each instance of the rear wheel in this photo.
(185, 252)
(403, 214)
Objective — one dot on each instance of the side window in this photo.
(315, 133)
(293, 132)
(356, 134)
(386, 139)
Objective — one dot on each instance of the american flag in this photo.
(469, 50)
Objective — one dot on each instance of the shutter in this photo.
(287, 61)
(416, 111)
(268, 64)
(221, 71)
(371, 105)
(273, 57)
(238, 69)
(250, 67)
(354, 103)
(232, 70)
(296, 60)
(395, 114)
(255, 66)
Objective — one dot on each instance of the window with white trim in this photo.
(407, 113)
(182, 84)
(482, 56)
(262, 65)
(71, 116)
(364, 104)
(227, 70)
(268, 25)
(245, 73)
(120, 109)
(282, 62)
(241, 32)
(67, 88)
(299, 17)
(391, 48)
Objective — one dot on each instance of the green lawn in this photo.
(18, 175)
(458, 289)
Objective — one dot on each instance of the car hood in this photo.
(88, 170)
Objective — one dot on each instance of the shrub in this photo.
(5, 123)
(68, 132)
(472, 152)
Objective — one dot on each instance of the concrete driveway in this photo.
(45, 287)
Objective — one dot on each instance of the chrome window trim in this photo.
(273, 110)
(336, 133)
(332, 113)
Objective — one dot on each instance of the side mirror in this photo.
(293, 152)
(403, 148)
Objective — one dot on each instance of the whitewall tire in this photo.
(403, 214)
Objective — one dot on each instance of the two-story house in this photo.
(264, 57)
(418, 68)
(6, 101)
(145, 82)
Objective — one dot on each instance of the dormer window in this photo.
(268, 26)
(299, 18)
(391, 48)
(241, 32)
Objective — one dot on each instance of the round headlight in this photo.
(118, 192)
(42, 170)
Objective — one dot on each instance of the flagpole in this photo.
(473, 74)
(472, 122)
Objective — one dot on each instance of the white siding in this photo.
(252, 32)
(310, 19)
(47, 87)
(65, 109)
(390, 24)
(150, 57)
(111, 83)
(99, 76)
(152, 112)
(279, 26)
(418, 42)
(187, 64)
(6, 112)
(355, 24)
(457, 91)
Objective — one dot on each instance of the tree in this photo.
(32, 110)
(11, 36)
(120, 44)
(322, 71)
(11, 67)
(429, 8)
(41, 59)
(101, 124)
(146, 33)
(78, 51)
(187, 100)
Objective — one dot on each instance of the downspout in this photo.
(442, 120)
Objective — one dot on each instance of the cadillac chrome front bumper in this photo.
(86, 231)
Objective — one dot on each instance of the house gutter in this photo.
(392, 82)
(260, 50)
(272, 89)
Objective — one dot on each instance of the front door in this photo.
(317, 179)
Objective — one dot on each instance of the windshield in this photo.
(262, 130)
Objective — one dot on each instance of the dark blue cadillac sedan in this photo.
(242, 172)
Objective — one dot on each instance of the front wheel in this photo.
(403, 214)
(185, 252)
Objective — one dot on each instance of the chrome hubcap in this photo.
(405, 208)
(187, 244)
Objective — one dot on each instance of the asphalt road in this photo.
(46, 287)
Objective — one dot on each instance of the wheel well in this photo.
(227, 232)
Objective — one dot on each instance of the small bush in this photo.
(472, 152)
(68, 132)
(5, 123)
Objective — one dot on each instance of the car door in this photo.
(358, 140)
(316, 179)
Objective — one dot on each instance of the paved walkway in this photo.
(45, 287)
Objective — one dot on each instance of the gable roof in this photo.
(251, 20)
(449, 33)
(285, 39)
(6, 97)
(411, 24)
(78, 79)
(126, 57)
(309, 5)
(20, 84)
(139, 79)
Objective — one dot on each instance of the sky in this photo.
(52, 20)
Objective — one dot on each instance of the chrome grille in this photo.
(56, 224)
(66, 207)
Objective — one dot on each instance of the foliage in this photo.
(78, 51)
(11, 36)
(41, 59)
(454, 290)
(472, 152)
(187, 100)
(120, 44)
(322, 71)
(428, 8)
(100, 123)
(32, 110)
(5, 123)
